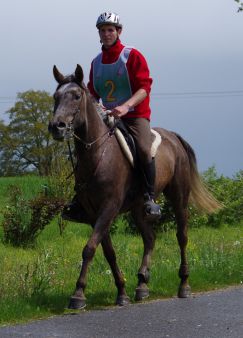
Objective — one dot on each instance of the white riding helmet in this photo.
(108, 18)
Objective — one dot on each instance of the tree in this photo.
(25, 143)
(240, 4)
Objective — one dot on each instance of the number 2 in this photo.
(109, 97)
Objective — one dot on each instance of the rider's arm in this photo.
(136, 98)
(140, 81)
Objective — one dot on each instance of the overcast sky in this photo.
(194, 50)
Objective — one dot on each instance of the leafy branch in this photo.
(240, 8)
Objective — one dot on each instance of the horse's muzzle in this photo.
(58, 130)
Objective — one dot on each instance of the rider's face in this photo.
(108, 35)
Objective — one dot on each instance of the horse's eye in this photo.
(77, 97)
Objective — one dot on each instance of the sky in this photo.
(193, 48)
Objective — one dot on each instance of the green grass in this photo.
(38, 282)
(30, 185)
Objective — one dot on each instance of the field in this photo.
(37, 282)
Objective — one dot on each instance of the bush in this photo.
(60, 183)
(24, 219)
(229, 191)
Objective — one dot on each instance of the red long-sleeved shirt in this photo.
(138, 75)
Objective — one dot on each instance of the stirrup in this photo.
(152, 210)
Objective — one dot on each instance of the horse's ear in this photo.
(79, 74)
(57, 75)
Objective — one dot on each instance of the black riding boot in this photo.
(152, 210)
(73, 212)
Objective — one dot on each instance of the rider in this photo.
(119, 76)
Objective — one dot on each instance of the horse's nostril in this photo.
(61, 125)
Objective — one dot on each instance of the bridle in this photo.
(88, 146)
(69, 130)
(70, 134)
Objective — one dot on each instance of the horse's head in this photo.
(67, 97)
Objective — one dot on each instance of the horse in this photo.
(107, 185)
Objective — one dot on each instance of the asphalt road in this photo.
(209, 315)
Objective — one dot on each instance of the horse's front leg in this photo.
(101, 227)
(122, 298)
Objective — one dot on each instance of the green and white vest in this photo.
(111, 81)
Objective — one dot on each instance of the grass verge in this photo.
(36, 283)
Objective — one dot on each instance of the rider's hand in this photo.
(120, 111)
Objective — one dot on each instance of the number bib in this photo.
(111, 81)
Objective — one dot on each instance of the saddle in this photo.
(126, 140)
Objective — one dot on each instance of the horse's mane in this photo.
(98, 106)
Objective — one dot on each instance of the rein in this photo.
(82, 186)
(88, 146)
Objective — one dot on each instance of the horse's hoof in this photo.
(184, 292)
(141, 294)
(77, 303)
(122, 300)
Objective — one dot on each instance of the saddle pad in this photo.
(110, 121)
(155, 144)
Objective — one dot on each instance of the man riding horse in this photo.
(119, 76)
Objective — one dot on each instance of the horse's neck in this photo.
(92, 131)
(95, 125)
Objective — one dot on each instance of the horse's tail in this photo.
(199, 195)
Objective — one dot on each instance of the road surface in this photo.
(216, 314)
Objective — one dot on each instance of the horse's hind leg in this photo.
(146, 230)
(122, 298)
(181, 214)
